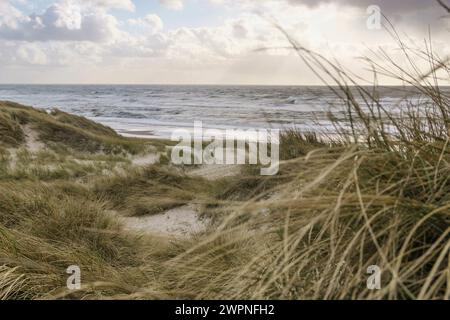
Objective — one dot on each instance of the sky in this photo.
(203, 41)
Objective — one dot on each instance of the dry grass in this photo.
(316, 236)
(10, 132)
(378, 194)
(74, 132)
(149, 190)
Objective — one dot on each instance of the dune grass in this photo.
(150, 190)
(10, 132)
(59, 127)
(376, 193)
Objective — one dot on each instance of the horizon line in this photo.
(200, 84)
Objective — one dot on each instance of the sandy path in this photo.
(180, 222)
(215, 172)
(31, 140)
(31, 144)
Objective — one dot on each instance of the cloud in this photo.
(412, 17)
(390, 6)
(151, 21)
(25, 54)
(32, 54)
(85, 37)
(60, 55)
(8, 14)
(109, 4)
(63, 21)
(172, 4)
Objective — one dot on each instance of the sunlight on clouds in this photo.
(244, 48)
(62, 21)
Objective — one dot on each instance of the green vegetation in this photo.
(10, 132)
(75, 132)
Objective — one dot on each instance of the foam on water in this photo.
(153, 110)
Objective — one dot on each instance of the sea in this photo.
(157, 110)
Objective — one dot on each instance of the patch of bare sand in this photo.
(32, 144)
(216, 171)
(181, 222)
(150, 158)
(31, 140)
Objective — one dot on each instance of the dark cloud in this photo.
(389, 6)
(415, 15)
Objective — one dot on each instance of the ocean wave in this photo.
(246, 106)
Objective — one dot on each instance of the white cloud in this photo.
(31, 54)
(84, 35)
(151, 21)
(8, 14)
(62, 21)
(172, 4)
(109, 4)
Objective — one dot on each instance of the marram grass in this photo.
(377, 193)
